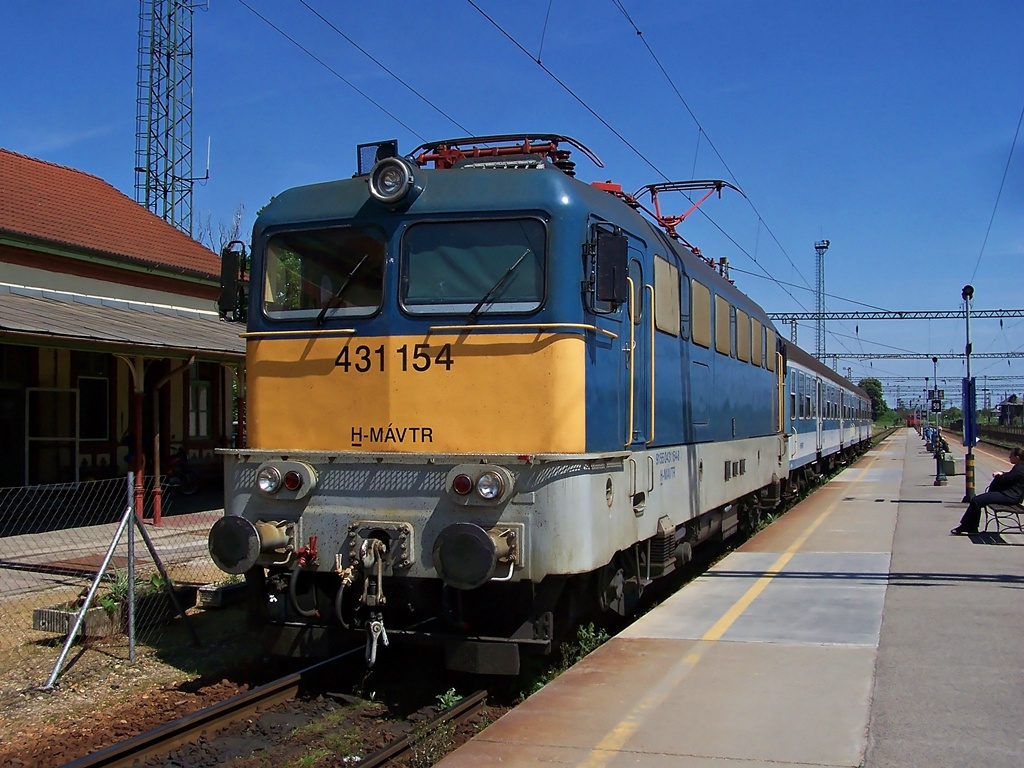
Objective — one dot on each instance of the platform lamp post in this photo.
(926, 416)
(970, 409)
(940, 470)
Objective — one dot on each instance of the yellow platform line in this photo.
(616, 739)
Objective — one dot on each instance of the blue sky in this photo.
(884, 127)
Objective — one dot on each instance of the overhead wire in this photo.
(615, 132)
(701, 132)
(328, 67)
(365, 53)
(1002, 183)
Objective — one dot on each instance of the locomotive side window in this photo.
(309, 271)
(684, 306)
(723, 337)
(770, 349)
(473, 266)
(700, 304)
(742, 336)
(666, 296)
(757, 347)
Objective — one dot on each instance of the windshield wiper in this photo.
(493, 289)
(336, 298)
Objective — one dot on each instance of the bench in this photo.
(1005, 517)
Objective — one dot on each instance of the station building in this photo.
(109, 333)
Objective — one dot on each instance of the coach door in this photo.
(639, 355)
(816, 410)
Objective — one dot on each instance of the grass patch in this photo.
(588, 639)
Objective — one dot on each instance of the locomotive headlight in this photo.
(489, 485)
(268, 479)
(391, 179)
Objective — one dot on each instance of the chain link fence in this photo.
(55, 540)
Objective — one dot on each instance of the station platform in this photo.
(853, 631)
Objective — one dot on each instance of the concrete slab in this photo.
(834, 598)
(603, 713)
(815, 598)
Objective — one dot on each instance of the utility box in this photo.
(952, 466)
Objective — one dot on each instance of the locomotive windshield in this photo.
(473, 267)
(315, 273)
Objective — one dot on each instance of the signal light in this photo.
(292, 480)
(462, 484)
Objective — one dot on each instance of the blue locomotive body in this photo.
(486, 398)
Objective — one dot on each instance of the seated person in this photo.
(1005, 488)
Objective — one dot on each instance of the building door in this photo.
(12, 437)
(51, 444)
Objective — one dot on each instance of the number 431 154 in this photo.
(418, 357)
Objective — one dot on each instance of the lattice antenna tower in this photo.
(819, 326)
(163, 135)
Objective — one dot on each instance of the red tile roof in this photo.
(50, 202)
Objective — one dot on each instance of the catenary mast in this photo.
(163, 136)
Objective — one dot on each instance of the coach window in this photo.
(792, 394)
(339, 268)
(723, 326)
(742, 336)
(770, 350)
(700, 306)
(801, 387)
(473, 267)
(666, 296)
(757, 342)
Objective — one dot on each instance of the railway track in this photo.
(160, 741)
(461, 712)
(207, 724)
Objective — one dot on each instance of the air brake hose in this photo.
(312, 613)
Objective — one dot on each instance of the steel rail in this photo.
(165, 738)
(456, 714)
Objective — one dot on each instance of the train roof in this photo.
(511, 171)
(797, 355)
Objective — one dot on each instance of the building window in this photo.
(199, 409)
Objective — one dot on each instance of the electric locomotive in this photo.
(485, 399)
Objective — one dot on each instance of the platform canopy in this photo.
(43, 317)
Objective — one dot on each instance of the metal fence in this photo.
(58, 542)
